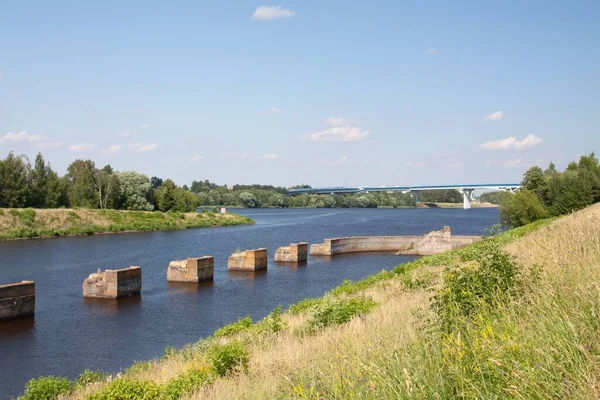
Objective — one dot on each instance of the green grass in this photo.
(30, 223)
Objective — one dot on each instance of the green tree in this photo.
(14, 175)
(521, 208)
(136, 191)
(164, 196)
(248, 199)
(47, 190)
(81, 188)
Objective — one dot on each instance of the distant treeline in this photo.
(86, 185)
(550, 193)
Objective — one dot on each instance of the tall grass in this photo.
(513, 316)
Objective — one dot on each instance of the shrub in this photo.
(88, 376)
(14, 213)
(127, 389)
(481, 284)
(521, 209)
(240, 325)
(304, 305)
(339, 312)
(1, 212)
(228, 358)
(273, 322)
(27, 216)
(139, 366)
(184, 384)
(46, 388)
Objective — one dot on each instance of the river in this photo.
(69, 333)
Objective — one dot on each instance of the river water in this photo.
(69, 333)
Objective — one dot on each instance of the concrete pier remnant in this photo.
(249, 260)
(431, 243)
(114, 283)
(17, 300)
(295, 252)
(191, 270)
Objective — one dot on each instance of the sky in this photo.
(318, 92)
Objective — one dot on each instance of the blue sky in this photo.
(318, 92)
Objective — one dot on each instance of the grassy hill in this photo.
(32, 223)
(513, 316)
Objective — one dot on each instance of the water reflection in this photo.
(21, 326)
(111, 307)
(189, 287)
(246, 275)
(291, 265)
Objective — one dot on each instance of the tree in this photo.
(47, 190)
(165, 196)
(136, 191)
(521, 209)
(534, 179)
(82, 190)
(278, 200)
(104, 181)
(248, 199)
(156, 182)
(14, 174)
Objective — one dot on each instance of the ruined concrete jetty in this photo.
(114, 283)
(431, 243)
(191, 270)
(17, 300)
(249, 260)
(295, 252)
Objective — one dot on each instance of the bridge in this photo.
(466, 190)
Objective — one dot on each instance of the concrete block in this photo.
(17, 300)
(295, 252)
(114, 284)
(249, 260)
(191, 270)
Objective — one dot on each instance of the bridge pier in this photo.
(467, 198)
(415, 195)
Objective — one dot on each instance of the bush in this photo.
(46, 388)
(127, 389)
(521, 209)
(88, 376)
(482, 284)
(27, 216)
(240, 325)
(228, 358)
(304, 305)
(184, 384)
(339, 312)
(273, 322)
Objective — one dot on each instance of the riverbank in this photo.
(41, 223)
(514, 314)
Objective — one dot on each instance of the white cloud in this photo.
(112, 149)
(274, 110)
(414, 164)
(339, 134)
(143, 147)
(192, 159)
(22, 136)
(338, 121)
(49, 145)
(495, 116)
(365, 160)
(272, 12)
(430, 51)
(144, 126)
(128, 133)
(512, 143)
(454, 165)
(245, 156)
(271, 157)
(81, 147)
(508, 163)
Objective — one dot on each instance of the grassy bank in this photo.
(513, 316)
(35, 223)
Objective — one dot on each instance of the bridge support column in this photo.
(415, 195)
(467, 198)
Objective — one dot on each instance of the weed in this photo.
(46, 388)
(228, 358)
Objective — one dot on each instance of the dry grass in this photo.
(543, 343)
